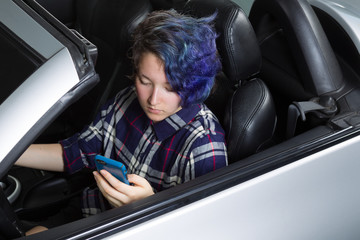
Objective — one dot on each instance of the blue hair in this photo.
(187, 47)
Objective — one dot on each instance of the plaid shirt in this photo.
(183, 146)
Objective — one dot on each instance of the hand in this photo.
(35, 229)
(119, 193)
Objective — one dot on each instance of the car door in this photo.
(44, 68)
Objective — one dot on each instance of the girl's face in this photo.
(156, 97)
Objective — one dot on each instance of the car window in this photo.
(17, 63)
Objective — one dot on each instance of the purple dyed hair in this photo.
(187, 47)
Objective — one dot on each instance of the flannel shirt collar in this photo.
(173, 123)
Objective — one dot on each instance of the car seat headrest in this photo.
(168, 4)
(237, 43)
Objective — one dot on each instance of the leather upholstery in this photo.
(237, 43)
(107, 24)
(250, 120)
(316, 64)
(168, 4)
(249, 117)
(299, 63)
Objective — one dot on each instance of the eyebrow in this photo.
(144, 76)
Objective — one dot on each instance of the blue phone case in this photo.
(117, 169)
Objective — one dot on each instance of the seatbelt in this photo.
(324, 107)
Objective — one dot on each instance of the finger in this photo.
(136, 179)
(113, 181)
(116, 183)
(101, 183)
(141, 186)
(109, 192)
(113, 201)
(100, 180)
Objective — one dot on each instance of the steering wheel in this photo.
(11, 187)
(10, 226)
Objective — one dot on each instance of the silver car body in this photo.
(57, 75)
(346, 13)
(314, 198)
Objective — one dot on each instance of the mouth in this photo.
(154, 110)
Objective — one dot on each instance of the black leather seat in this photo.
(249, 117)
(290, 33)
(299, 63)
(108, 24)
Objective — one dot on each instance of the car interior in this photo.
(287, 83)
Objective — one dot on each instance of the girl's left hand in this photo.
(119, 193)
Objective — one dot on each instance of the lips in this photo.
(154, 111)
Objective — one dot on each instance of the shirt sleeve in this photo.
(79, 150)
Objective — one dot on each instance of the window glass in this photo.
(17, 62)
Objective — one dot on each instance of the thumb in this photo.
(137, 180)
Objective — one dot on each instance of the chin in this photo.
(155, 118)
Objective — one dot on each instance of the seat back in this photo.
(289, 32)
(300, 65)
(249, 117)
(108, 24)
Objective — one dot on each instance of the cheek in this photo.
(141, 92)
(175, 100)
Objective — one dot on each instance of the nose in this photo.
(154, 96)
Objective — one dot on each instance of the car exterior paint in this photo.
(346, 13)
(316, 197)
(63, 77)
(57, 76)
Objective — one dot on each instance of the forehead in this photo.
(152, 67)
(148, 56)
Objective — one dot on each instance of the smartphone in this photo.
(117, 169)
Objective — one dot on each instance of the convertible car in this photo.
(288, 98)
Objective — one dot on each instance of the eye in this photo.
(144, 81)
(169, 88)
